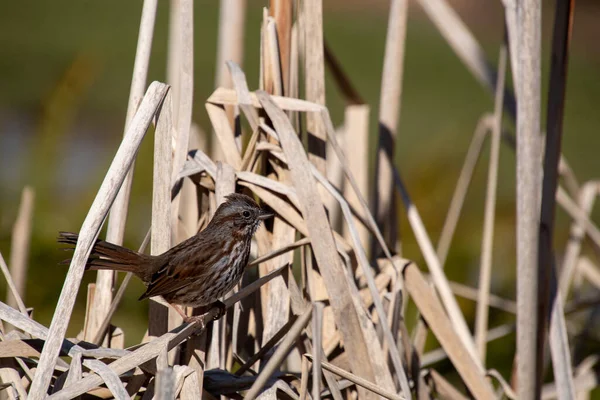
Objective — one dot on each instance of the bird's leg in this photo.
(179, 311)
(187, 318)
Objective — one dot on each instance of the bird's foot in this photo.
(196, 319)
(213, 312)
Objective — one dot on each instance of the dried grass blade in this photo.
(487, 241)
(224, 96)
(251, 288)
(530, 280)
(576, 213)
(314, 78)
(109, 377)
(225, 134)
(19, 250)
(340, 154)
(559, 342)
(464, 44)
(11, 285)
(75, 370)
(304, 379)
(89, 232)
(394, 352)
(271, 184)
(323, 243)
(358, 380)
(464, 181)
(356, 125)
(279, 251)
(191, 388)
(444, 388)
(389, 106)
(437, 273)
(585, 200)
(433, 312)
(270, 344)
(135, 358)
(161, 319)
(198, 162)
(317, 343)
(279, 354)
(118, 214)
(243, 94)
(165, 384)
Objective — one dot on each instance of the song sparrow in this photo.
(197, 271)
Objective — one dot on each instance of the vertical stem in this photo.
(485, 275)
(389, 109)
(281, 10)
(356, 142)
(118, 213)
(314, 77)
(19, 250)
(552, 306)
(528, 198)
(161, 206)
(230, 47)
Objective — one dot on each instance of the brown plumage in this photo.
(197, 271)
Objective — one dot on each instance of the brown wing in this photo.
(183, 264)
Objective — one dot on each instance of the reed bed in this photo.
(322, 311)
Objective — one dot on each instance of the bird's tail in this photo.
(107, 255)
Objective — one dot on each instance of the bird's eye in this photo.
(246, 214)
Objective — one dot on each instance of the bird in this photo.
(196, 272)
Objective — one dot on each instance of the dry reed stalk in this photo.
(366, 270)
(317, 332)
(443, 388)
(230, 43)
(559, 344)
(529, 368)
(357, 379)
(162, 221)
(571, 208)
(464, 44)
(335, 175)
(11, 285)
(281, 11)
(148, 351)
(275, 299)
(440, 324)
(484, 125)
(230, 47)
(389, 108)
(89, 232)
(182, 118)
(165, 384)
(361, 343)
(356, 126)
(224, 185)
(323, 243)
(439, 278)
(314, 78)
(118, 214)
(189, 212)
(19, 250)
(485, 270)
(586, 199)
(279, 354)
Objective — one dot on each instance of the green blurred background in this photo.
(65, 71)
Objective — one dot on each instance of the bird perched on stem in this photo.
(197, 271)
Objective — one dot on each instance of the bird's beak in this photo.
(265, 215)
